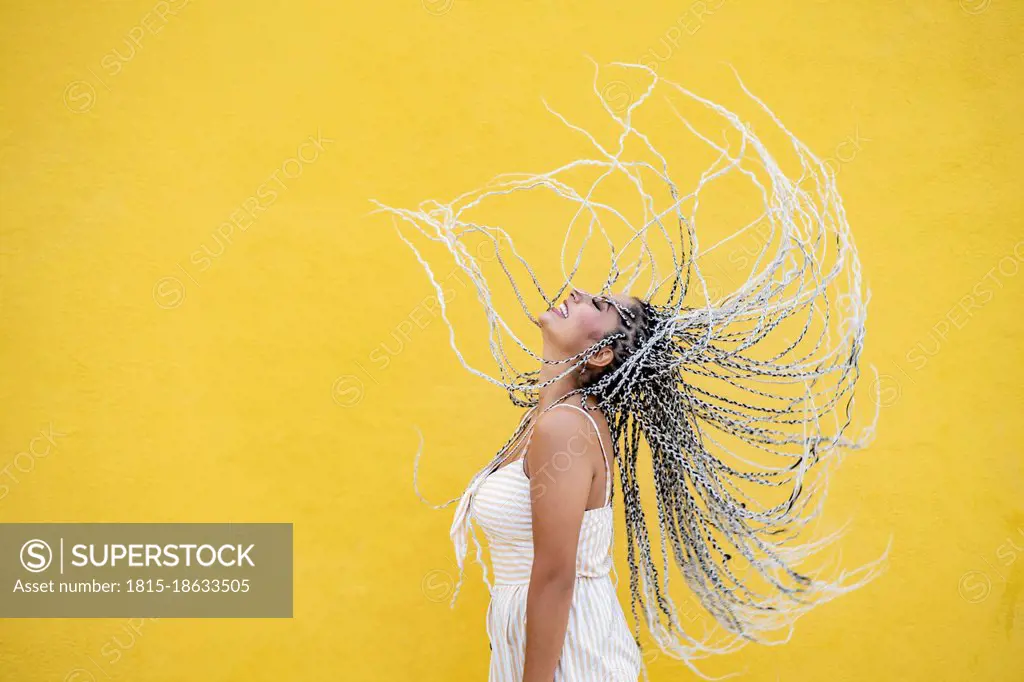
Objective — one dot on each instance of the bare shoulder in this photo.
(559, 433)
(564, 422)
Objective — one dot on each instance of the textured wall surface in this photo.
(200, 312)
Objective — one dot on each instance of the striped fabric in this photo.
(598, 644)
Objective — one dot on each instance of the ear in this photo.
(601, 358)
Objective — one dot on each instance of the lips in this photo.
(561, 310)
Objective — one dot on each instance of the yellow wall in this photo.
(208, 390)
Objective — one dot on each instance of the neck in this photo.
(552, 393)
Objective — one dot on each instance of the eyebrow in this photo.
(618, 308)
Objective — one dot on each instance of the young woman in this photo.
(547, 513)
(736, 405)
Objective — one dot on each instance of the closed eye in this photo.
(608, 304)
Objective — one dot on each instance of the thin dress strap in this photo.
(604, 453)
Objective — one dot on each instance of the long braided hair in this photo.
(742, 401)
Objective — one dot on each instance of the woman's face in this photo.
(580, 321)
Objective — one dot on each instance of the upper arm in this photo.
(560, 482)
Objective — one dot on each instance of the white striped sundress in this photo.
(599, 646)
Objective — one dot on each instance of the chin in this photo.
(546, 318)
